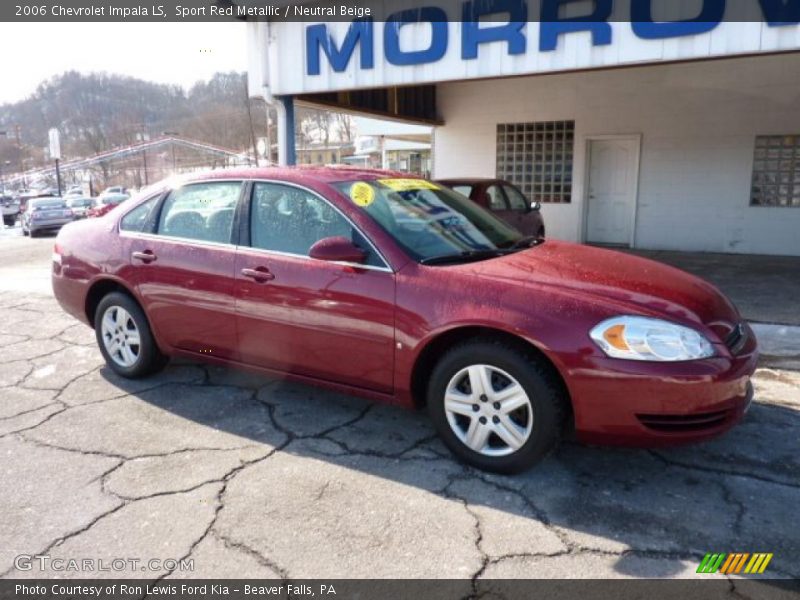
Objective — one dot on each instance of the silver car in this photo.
(45, 214)
(80, 206)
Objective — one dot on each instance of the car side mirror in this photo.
(337, 249)
(536, 206)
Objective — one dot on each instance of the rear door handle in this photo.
(146, 257)
(259, 274)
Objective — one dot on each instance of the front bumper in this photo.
(627, 403)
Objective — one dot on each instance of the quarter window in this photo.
(135, 219)
(537, 158)
(290, 220)
(202, 211)
(515, 199)
(776, 171)
(496, 199)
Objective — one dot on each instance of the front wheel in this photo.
(497, 408)
(124, 337)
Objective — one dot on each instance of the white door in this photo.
(613, 166)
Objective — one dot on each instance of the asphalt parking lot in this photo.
(259, 478)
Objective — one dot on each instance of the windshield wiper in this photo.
(527, 242)
(466, 256)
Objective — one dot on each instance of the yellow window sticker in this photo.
(408, 185)
(362, 194)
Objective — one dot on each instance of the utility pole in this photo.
(19, 155)
(55, 154)
(58, 178)
(172, 134)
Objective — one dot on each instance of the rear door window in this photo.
(200, 211)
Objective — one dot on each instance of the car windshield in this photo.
(432, 223)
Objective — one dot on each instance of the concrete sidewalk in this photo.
(766, 289)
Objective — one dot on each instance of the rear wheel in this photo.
(124, 337)
(495, 407)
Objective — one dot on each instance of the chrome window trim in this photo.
(156, 236)
(173, 238)
(387, 267)
(330, 262)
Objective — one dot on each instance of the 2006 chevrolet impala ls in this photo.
(402, 291)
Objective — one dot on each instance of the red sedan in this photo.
(105, 204)
(404, 291)
(504, 199)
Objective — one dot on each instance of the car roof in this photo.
(300, 174)
(470, 180)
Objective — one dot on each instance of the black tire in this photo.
(150, 359)
(32, 233)
(542, 385)
(24, 231)
(9, 221)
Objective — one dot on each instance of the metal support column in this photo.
(286, 143)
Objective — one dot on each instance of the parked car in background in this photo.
(75, 190)
(11, 211)
(504, 199)
(45, 214)
(105, 204)
(114, 190)
(80, 205)
(404, 291)
(28, 195)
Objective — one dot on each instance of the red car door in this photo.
(184, 268)
(310, 317)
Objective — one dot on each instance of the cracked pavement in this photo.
(261, 478)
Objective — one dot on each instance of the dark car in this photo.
(45, 214)
(11, 210)
(404, 291)
(504, 199)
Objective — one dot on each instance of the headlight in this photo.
(641, 338)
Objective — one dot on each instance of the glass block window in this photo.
(776, 171)
(537, 158)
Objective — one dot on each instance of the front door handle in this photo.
(259, 274)
(146, 257)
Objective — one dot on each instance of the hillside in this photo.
(98, 111)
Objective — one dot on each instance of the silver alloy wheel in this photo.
(121, 336)
(488, 410)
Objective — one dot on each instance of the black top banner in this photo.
(699, 12)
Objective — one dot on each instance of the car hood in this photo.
(622, 281)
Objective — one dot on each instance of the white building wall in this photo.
(698, 123)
